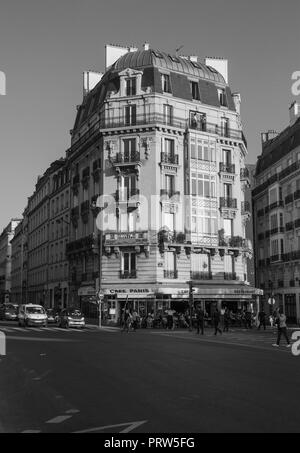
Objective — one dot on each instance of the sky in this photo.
(45, 45)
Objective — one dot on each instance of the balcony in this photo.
(275, 258)
(128, 274)
(216, 129)
(289, 170)
(143, 120)
(88, 243)
(260, 213)
(201, 275)
(126, 159)
(228, 203)
(276, 204)
(171, 274)
(123, 195)
(172, 159)
(289, 199)
(244, 174)
(289, 226)
(227, 168)
(171, 194)
(230, 276)
(131, 238)
(297, 195)
(246, 208)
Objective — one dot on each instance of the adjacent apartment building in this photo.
(276, 214)
(6, 260)
(160, 138)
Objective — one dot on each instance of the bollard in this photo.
(2, 344)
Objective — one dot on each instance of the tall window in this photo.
(274, 221)
(204, 222)
(165, 83)
(203, 150)
(170, 265)
(128, 187)
(130, 115)
(227, 191)
(128, 265)
(228, 264)
(228, 227)
(203, 185)
(200, 263)
(227, 156)
(170, 184)
(129, 149)
(169, 149)
(225, 127)
(127, 221)
(168, 114)
(195, 90)
(274, 247)
(131, 86)
(222, 97)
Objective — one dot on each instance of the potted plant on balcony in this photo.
(222, 240)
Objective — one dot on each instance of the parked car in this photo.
(51, 316)
(71, 317)
(32, 315)
(9, 312)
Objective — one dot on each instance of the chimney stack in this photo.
(90, 80)
(220, 65)
(146, 46)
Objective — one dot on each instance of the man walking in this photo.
(226, 320)
(262, 319)
(216, 321)
(200, 320)
(282, 329)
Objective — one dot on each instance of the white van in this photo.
(32, 315)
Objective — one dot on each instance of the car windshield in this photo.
(74, 313)
(35, 310)
(50, 312)
(10, 308)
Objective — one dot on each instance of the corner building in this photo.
(168, 136)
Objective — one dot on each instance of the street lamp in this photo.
(191, 303)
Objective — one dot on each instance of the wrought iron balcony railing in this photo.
(169, 158)
(201, 275)
(227, 168)
(127, 158)
(170, 274)
(244, 174)
(230, 276)
(289, 226)
(128, 274)
(246, 207)
(228, 203)
(289, 199)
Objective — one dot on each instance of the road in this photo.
(57, 380)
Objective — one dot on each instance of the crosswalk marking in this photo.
(28, 330)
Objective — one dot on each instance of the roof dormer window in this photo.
(131, 86)
(222, 97)
(166, 83)
(195, 91)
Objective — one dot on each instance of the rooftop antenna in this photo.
(177, 50)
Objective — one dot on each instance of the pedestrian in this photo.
(216, 321)
(200, 315)
(170, 320)
(262, 319)
(127, 321)
(135, 320)
(282, 329)
(226, 320)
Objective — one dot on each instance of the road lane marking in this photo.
(73, 411)
(130, 427)
(223, 343)
(39, 339)
(2, 343)
(58, 420)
